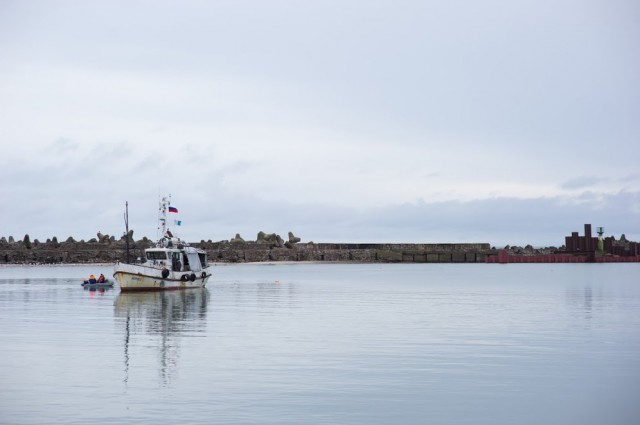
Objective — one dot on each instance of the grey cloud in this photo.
(111, 151)
(62, 145)
(631, 178)
(582, 182)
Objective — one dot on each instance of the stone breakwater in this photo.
(107, 250)
(68, 252)
(238, 252)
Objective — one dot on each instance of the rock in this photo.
(128, 235)
(271, 238)
(293, 239)
(237, 239)
(262, 237)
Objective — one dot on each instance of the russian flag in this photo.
(173, 209)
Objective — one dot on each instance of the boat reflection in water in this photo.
(163, 318)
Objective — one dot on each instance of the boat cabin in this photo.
(178, 260)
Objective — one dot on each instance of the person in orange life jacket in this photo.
(101, 278)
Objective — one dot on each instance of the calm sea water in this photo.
(326, 344)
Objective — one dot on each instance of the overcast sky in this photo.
(507, 122)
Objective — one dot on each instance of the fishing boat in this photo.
(170, 264)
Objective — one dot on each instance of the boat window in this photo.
(176, 265)
(156, 255)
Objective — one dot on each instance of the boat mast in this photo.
(126, 226)
(162, 216)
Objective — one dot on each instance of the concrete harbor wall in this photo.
(345, 252)
(109, 250)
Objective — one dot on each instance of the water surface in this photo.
(326, 344)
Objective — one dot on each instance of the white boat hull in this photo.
(137, 277)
